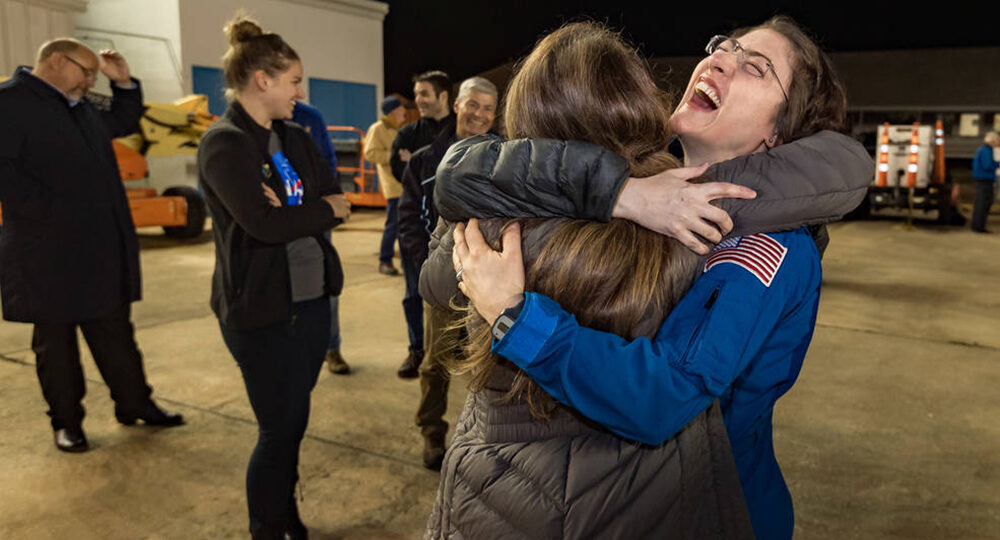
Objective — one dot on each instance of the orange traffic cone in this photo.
(911, 169)
(939, 172)
(882, 169)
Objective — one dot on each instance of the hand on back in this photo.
(670, 204)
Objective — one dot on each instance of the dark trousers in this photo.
(413, 304)
(391, 231)
(434, 377)
(280, 365)
(981, 208)
(112, 343)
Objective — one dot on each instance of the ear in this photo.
(56, 60)
(773, 140)
(261, 81)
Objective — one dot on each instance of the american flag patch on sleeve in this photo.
(758, 254)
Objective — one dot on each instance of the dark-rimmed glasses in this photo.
(752, 62)
(87, 72)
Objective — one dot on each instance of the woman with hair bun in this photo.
(274, 268)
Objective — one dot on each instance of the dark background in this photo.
(467, 38)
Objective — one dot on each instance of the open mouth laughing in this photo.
(705, 96)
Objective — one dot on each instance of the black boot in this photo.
(151, 415)
(410, 367)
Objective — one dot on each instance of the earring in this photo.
(774, 136)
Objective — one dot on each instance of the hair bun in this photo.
(242, 29)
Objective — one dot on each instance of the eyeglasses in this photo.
(752, 62)
(87, 72)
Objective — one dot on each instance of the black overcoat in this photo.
(68, 250)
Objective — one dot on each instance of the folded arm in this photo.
(236, 181)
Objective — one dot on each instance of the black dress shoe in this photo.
(71, 440)
(151, 416)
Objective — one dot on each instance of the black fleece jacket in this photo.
(251, 287)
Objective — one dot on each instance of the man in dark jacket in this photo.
(475, 110)
(69, 255)
(432, 94)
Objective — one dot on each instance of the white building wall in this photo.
(26, 24)
(336, 39)
(147, 33)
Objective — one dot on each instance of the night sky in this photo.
(466, 38)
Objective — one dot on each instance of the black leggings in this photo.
(280, 365)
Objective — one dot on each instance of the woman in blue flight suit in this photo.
(741, 333)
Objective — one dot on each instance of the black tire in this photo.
(947, 213)
(195, 214)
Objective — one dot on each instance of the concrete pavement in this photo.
(892, 431)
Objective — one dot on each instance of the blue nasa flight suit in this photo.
(732, 338)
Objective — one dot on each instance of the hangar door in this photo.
(343, 104)
(211, 82)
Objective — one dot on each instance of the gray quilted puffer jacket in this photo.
(507, 475)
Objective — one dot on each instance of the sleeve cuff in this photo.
(133, 83)
(531, 330)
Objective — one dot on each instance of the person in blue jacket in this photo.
(741, 332)
(312, 120)
(984, 171)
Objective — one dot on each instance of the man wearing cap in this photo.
(378, 150)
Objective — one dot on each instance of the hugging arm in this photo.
(816, 179)
(647, 390)
(811, 181)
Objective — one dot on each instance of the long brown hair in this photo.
(582, 82)
(252, 49)
(816, 98)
